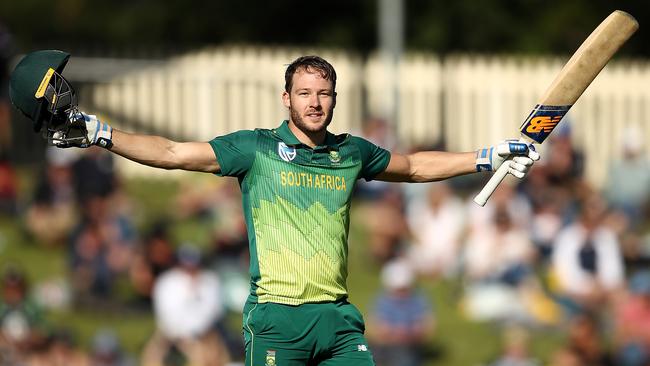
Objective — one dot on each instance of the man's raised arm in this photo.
(154, 151)
(163, 153)
(429, 166)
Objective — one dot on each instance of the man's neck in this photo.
(311, 139)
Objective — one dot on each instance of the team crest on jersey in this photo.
(335, 157)
(286, 153)
(270, 357)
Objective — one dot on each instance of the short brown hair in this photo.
(307, 63)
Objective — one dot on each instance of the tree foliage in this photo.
(486, 26)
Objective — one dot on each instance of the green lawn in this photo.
(457, 341)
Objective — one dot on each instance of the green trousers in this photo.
(323, 334)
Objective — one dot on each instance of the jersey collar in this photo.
(290, 139)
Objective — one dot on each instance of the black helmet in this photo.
(39, 91)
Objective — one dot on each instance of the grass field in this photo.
(457, 342)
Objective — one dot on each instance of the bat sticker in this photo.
(542, 120)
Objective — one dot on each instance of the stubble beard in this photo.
(309, 128)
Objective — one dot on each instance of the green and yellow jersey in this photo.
(296, 203)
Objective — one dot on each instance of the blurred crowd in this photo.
(79, 208)
(553, 252)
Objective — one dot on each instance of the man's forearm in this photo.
(428, 166)
(153, 151)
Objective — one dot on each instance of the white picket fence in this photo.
(466, 101)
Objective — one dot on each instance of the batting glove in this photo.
(519, 156)
(84, 130)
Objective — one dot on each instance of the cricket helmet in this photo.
(39, 91)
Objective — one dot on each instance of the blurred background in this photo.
(104, 262)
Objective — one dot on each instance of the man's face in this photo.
(311, 101)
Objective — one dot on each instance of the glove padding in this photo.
(83, 130)
(519, 156)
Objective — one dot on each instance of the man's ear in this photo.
(286, 99)
(334, 105)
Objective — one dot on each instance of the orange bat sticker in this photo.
(542, 120)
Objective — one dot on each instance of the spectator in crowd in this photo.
(61, 350)
(502, 253)
(498, 263)
(627, 191)
(632, 322)
(107, 350)
(217, 202)
(566, 357)
(53, 212)
(587, 263)
(22, 324)
(203, 198)
(558, 180)
(437, 224)
(585, 340)
(628, 179)
(154, 257)
(101, 249)
(94, 174)
(401, 321)
(187, 305)
(547, 221)
(505, 198)
(564, 163)
(386, 225)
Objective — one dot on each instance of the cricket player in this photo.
(297, 181)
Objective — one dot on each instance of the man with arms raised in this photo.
(297, 182)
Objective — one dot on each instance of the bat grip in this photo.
(485, 193)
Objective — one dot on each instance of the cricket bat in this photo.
(576, 75)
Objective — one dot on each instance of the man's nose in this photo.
(314, 101)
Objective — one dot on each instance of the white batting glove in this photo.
(83, 130)
(97, 132)
(519, 156)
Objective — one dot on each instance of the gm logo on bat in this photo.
(542, 121)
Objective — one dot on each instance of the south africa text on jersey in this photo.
(308, 180)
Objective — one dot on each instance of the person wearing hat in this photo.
(187, 304)
(627, 187)
(402, 319)
(297, 182)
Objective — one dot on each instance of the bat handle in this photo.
(485, 193)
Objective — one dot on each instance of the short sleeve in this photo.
(374, 159)
(235, 152)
